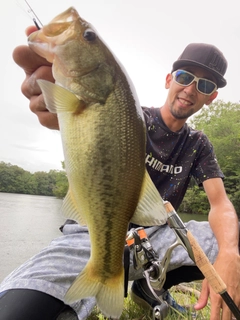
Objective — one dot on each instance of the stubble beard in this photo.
(181, 114)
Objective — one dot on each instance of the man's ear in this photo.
(211, 98)
(168, 80)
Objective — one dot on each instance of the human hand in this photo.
(227, 266)
(35, 67)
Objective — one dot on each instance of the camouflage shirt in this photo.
(172, 158)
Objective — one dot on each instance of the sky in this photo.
(146, 36)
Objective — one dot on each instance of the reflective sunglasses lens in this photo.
(206, 86)
(183, 78)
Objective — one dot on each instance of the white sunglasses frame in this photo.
(195, 79)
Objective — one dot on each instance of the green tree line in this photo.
(220, 121)
(14, 179)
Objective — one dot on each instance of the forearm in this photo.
(224, 223)
(222, 216)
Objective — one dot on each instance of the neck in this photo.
(171, 122)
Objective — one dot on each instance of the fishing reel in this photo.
(144, 257)
(155, 271)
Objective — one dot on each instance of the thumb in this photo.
(30, 30)
(203, 299)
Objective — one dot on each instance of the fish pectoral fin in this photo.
(70, 209)
(109, 295)
(150, 210)
(59, 99)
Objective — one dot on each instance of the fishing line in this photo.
(27, 9)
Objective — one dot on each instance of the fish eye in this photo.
(89, 35)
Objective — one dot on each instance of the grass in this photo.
(184, 295)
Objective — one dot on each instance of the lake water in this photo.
(28, 223)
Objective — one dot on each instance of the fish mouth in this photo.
(44, 41)
(58, 25)
(69, 15)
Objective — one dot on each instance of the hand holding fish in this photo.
(35, 67)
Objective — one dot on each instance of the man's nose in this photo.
(191, 89)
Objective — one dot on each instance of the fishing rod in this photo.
(155, 271)
(28, 9)
(199, 257)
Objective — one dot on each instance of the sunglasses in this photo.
(185, 78)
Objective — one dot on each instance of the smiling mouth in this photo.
(184, 102)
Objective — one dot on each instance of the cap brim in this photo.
(221, 82)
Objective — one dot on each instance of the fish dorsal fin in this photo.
(59, 99)
(70, 209)
(150, 210)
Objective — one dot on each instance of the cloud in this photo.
(25, 142)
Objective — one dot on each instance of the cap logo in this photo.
(217, 63)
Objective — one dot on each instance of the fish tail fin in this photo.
(109, 295)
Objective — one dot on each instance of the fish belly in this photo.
(105, 171)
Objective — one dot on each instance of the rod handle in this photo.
(205, 266)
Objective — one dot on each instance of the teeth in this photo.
(184, 102)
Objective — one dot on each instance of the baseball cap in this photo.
(205, 56)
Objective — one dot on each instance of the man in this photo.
(174, 153)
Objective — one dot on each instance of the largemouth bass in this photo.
(103, 137)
